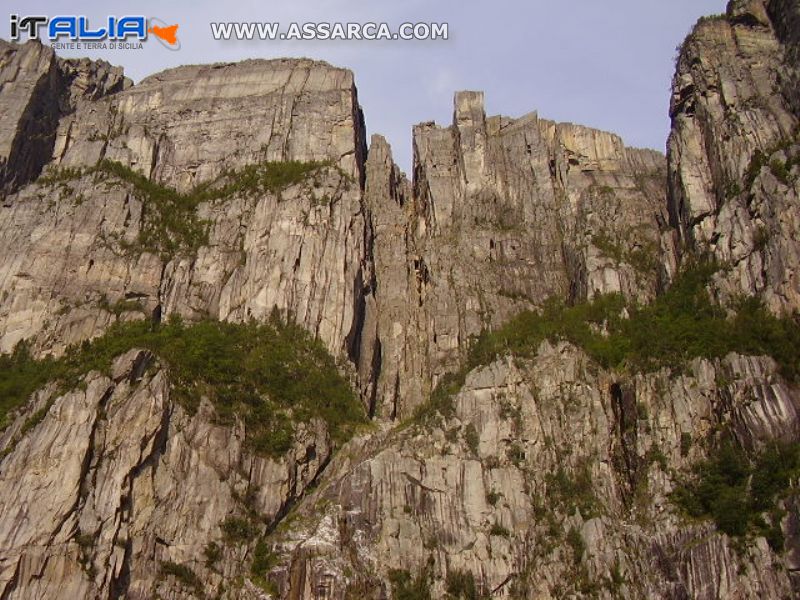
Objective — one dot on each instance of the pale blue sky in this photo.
(607, 64)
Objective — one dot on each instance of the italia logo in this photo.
(78, 29)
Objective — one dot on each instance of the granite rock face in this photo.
(145, 489)
(116, 480)
(36, 89)
(550, 480)
(503, 214)
(551, 476)
(187, 125)
(299, 249)
(733, 150)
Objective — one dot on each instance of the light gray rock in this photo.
(552, 476)
(536, 453)
(734, 133)
(118, 479)
(300, 250)
(185, 126)
(36, 90)
(28, 111)
(501, 216)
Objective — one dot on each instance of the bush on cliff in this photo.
(170, 222)
(271, 375)
(678, 326)
(737, 491)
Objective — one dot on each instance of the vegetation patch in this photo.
(779, 168)
(120, 306)
(460, 585)
(212, 553)
(472, 439)
(575, 541)
(499, 530)
(271, 375)
(237, 530)
(170, 223)
(573, 492)
(184, 575)
(85, 540)
(409, 587)
(741, 494)
(20, 377)
(678, 326)
(263, 560)
(643, 257)
(686, 443)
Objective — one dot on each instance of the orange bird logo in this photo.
(168, 34)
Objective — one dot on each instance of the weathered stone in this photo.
(396, 500)
(502, 215)
(552, 476)
(36, 90)
(118, 479)
(187, 125)
(300, 250)
(733, 125)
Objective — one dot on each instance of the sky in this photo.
(606, 64)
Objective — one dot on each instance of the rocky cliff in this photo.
(502, 215)
(236, 257)
(733, 147)
(568, 395)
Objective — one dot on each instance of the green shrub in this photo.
(657, 456)
(711, 19)
(761, 237)
(761, 158)
(617, 578)
(58, 175)
(406, 587)
(498, 530)
(441, 403)
(20, 376)
(686, 443)
(732, 189)
(573, 492)
(271, 375)
(678, 326)
(472, 439)
(642, 257)
(757, 162)
(263, 561)
(779, 170)
(515, 454)
(212, 553)
(575, 541)
(170, 224)
(735, 490)
(261, 178)
(183, 574)
(460, 585)
(85, 540)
